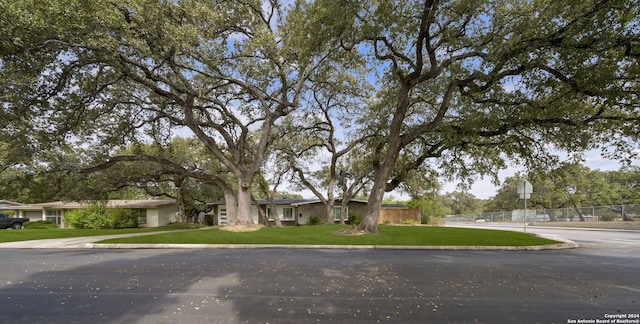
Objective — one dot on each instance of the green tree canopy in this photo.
(471, 85)
(570, 185)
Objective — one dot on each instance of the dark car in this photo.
(10, 222)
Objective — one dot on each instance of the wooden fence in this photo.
(399, 216)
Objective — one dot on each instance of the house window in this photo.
(142, 217)
(287, 213)
(269, 214)
(54, 216)
(336, 213)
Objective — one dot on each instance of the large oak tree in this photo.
(469, 86)
(102, 74)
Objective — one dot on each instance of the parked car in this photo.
(11, 222)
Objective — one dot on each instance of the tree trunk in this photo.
(262, 218)
(274, 213)
(577, 209)
(231, 204)
(552, 216)
(182, 217)
(328, 206)
(243, 215)
(369, 222)
(344, 210)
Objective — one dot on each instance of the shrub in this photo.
(91, 217)
(314, 220)
(40, 224)
(355, 218)
(123, 218)
(431, 212)
(608, 218)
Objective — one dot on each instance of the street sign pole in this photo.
(525, 208)
(524, 189)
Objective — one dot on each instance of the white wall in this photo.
(304, 213)
(254, 212)
(161, 216)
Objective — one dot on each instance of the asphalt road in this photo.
(316, 286)
(603, 240)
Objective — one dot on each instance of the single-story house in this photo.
(152, 212)
(298, 211)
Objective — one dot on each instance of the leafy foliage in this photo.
(98, 216)
(570, 185)
(91, 217)
(123, 218)
(354, 218)
(431, 212)
(40, 224)
(314, 220)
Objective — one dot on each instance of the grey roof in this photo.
(150, 203)
(298, 202)
(6, 204)
(284, 201)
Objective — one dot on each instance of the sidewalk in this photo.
(63, 243)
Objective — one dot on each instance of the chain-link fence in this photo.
(610, 213)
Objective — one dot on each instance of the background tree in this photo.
(458, 202)
(431, 212)
(626, 184)
(507, 197)
(571, 185)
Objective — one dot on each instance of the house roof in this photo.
(399, 206)
(149, 203)
(317, 201)
(284, 201)
(7, 203)
(300, 202)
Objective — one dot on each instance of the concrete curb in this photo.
(343, 247)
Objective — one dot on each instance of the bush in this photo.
(91, 217)
(355, 218)
(97, 216)
(40, 224)
(431, 212)
(314, 220)
(123, 218)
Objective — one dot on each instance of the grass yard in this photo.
(28, 234)
(324, 235)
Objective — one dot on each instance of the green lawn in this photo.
(324, 235)
(27, 234)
